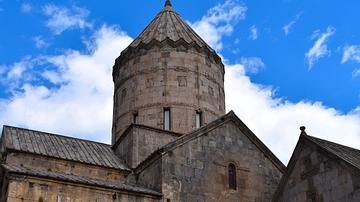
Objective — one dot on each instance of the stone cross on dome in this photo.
(168, 3)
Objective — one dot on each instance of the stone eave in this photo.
(132, 52)
(203, 131)
(76, 180)
(304, 140)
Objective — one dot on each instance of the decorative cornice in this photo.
(132, 52)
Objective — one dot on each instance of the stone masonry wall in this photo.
(317, 177)
(151, 177)
(183, 81)
(140, 141)
(198, 170)
(30, 161)
(32, 189)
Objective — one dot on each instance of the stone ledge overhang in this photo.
(78, 180)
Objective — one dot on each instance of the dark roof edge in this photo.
(70, 179)
(266, 151)
(333, 156)
(205, 129)
(290, 166)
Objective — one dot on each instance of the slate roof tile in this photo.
(61, 147)
(347, 154)
(169, 24)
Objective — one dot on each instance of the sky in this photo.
(288, 63)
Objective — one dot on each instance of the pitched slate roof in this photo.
(62, 147)
(77, 179)
(348, 154)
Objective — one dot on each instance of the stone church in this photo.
(172, 140)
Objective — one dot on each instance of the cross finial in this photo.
(168, 3)
(302, 128)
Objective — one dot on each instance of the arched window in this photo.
(232, 176)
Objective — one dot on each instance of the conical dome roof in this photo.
(169, 24)
(167, 28)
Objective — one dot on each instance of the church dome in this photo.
(167, 78)
(169, 25)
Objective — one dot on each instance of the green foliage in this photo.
(41, 199)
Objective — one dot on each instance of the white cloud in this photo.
(319, 48)
(276, 121)
(351, 53)
(254, 33)
(26, 7)
(287, 27)
(252, 64)
(39, 42)
(81, 102)
(219, 21)
(62, 18)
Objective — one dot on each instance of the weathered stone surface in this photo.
(314, 173)
(35, 189)
(197, 168)
(139, 141)
(182, 82)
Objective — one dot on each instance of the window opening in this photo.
(232, 176)
(167, 119)
(136, 118)
(198, 119)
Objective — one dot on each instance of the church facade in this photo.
(172, 140)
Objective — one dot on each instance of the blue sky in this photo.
(288, 63)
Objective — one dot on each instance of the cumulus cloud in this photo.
(254, 33)
(287, 27)
(319, 48)
(81, 103)
(351, 53)
(219, 21)
(276, 121)
(252, 64)
(63, 18)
